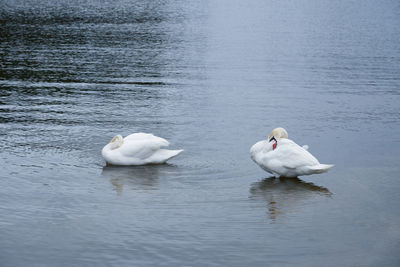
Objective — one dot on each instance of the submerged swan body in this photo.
(137, 149)
(282, 157)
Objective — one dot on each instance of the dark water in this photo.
(212, 77)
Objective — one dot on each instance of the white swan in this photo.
(284, 158)
(137, 149)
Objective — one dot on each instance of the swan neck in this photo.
(278, 133)
(116, 142)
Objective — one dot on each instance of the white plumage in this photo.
(284, 158)
(138, 149)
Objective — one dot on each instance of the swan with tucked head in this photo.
(137, 149)
(282, 157)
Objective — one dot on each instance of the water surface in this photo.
(213, 79)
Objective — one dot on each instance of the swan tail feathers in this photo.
(320, 168)
(162, 155)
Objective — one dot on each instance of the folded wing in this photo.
(142, 145)
(292, 156)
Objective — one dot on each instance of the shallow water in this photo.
(212, 78)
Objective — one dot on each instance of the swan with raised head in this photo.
(137, 149)
(282, 157)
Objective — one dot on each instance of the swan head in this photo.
(116, 142)
(277, 133)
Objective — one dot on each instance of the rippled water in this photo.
(212, 78)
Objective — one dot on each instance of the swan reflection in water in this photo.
(136, 177)
(284, 195)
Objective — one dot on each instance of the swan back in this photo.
(147, 137)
